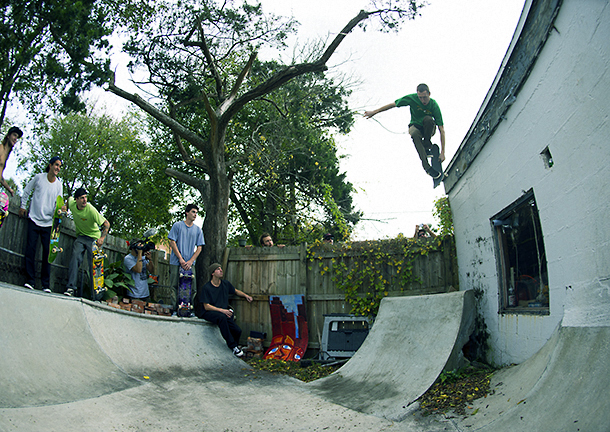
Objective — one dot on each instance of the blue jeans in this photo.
(83, 246)
(34, 232)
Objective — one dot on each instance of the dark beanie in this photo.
(212, 268)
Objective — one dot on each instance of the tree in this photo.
(123, 176)
(285, 158)
(52, 50)
(198, 61)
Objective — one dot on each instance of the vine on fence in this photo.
(359, 268)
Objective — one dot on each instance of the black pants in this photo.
(34, 232)
(421, 138)
(228, 329)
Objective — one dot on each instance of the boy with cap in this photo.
(46, 187)
(91, 227)
(13, 134)
(212, 304)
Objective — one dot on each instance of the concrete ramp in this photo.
(56, 349)
(564, 387)
(410, 343)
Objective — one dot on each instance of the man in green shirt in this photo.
(91, 227)
(425, 117)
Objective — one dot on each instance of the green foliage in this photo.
(48, 50)
(286, 170)
(365, 271)
(442, 211)
(117, 279)
(124, 178)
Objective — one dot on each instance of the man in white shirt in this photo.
(46, 187)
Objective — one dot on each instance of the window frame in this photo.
(501, 224)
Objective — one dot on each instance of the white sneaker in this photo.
(69, 292)
(27, 285)
(47, 290)
(238, 352)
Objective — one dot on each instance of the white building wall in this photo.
(565, 106)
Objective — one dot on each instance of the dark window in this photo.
(524, 286)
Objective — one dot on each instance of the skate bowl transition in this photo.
(71, 365)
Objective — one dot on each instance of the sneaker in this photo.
(237, 352)
(69, 292)
(47, 290)
(27, 285)
(433, 173)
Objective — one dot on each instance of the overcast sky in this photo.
(455, 46)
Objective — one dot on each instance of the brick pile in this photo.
(255, 348)
(138, 306)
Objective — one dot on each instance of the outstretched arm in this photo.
(441, 129)
(369, 114)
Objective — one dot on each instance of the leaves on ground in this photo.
(454, 391)
(305, 370)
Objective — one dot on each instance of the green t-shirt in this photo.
(88, 220)
(419, 110)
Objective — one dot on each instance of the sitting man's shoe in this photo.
(238, 352)
(69, 292)
(47, 290)
(27, 285)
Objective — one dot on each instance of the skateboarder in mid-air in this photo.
(44, 188)
(425, 117)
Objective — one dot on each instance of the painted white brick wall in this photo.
(565, 106)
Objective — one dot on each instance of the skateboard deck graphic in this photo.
(184, 292)
(98, 272)
(436, 163)
(3, 207)
(54, 248)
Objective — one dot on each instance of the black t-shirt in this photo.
(216, 296)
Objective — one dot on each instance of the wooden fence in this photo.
(13, 237)
(265, 272)
(260, 272)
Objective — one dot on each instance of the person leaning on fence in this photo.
(212, 304)
(44, 188)
(423, 231)
(91, 227)
(265, 240)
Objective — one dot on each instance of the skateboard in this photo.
(436, 163)
(98, 272)
(54, 248)
(184, 293)
(3, 207)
